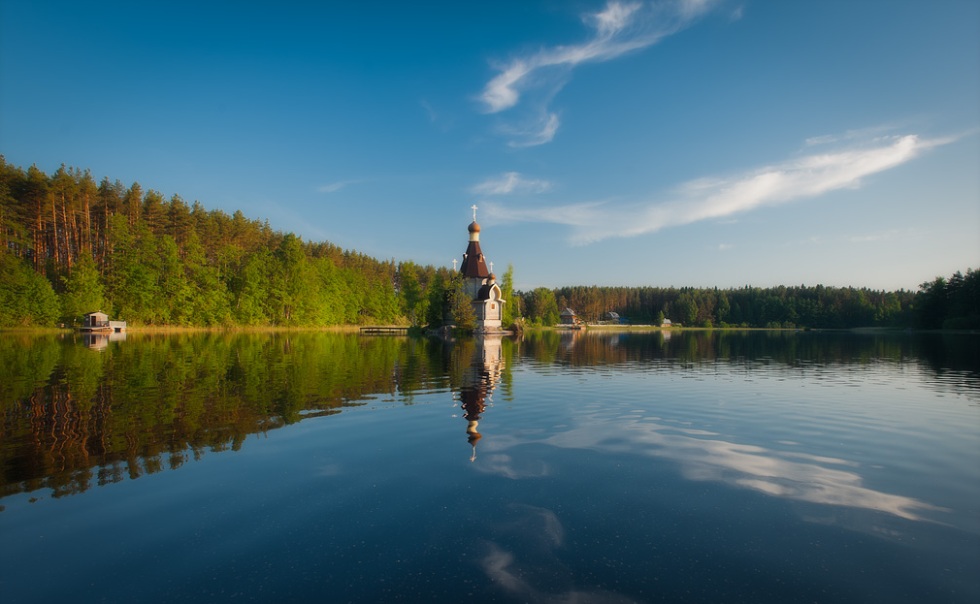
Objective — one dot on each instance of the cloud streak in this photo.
(510, 183)
(620, 28)
(335, 186)
(715, 198)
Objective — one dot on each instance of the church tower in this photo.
(480, 284)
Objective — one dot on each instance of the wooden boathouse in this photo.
(99, 321)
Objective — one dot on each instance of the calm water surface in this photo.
(567, 467)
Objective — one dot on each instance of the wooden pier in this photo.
(383, 330)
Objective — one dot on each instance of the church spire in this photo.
(474, 264)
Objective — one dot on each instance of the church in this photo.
(480, 284)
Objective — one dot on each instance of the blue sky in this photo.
(684, 143)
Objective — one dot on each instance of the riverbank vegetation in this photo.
(70, 245)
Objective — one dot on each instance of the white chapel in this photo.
(481, 284)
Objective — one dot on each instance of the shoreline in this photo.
(175, 329)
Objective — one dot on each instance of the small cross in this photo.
(454, 264)
(473, 207)
(491, 267)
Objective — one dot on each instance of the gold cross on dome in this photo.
(473, 207)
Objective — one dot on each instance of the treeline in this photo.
(70, 245)
(777, 307)
(952, 303)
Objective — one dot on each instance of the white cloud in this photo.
(510, 183)
(621, 27)
(850, 135)
(714, 198)
(539, 133)
(333, 187)
(890, 235)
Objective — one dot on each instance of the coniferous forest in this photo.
(70, 245)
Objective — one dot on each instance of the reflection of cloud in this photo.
(330, 469)
(503, 465)
(747, 466)
(540, 520)
(500, 567)
(715, 198)
(621, 27)
(537, 532)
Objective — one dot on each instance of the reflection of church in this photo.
(479, 380)
(481, 284)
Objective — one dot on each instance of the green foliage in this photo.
(802, 306)
(542, 307)
(511, 302)
(26, 298)
(460, 304)
(148, 260)
(414, 304)
(83, 290)
(437, 312)
(949, 304)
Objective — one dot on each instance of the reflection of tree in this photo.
(72, 416)
(774, 349)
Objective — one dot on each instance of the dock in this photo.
(383, 330)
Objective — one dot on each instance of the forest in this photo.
(71, 245)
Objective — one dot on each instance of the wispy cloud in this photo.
(848, 136)
(429, 111)
(620, 28)
(890, 235)
(537, 132)
(510, 183)
(716, 198)
(333, 187)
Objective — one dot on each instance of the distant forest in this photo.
(71, 245)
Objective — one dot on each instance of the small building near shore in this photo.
(99, 321)
(568, 317)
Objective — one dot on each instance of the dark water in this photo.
(576, 467)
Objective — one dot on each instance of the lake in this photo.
(564, 467)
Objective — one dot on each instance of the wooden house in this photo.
(99, 321)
